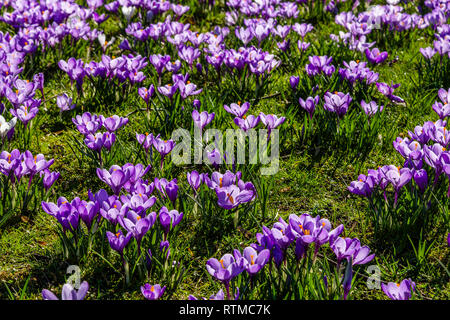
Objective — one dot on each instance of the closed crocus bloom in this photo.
(347, 282)
(194, 179)
(293, 81)
(432, 156)
(421, 179)
(49, 178)
(237, 109)
(152, 292)
(215, 158)
(68, 292)
(399, 291)
(202, 119)
(118, 241)
(309, 105)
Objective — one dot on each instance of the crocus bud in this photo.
(294, 80)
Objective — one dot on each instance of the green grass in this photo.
(312, 178)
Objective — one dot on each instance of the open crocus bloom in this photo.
(399, 291)
(68, 292)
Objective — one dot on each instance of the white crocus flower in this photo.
(5, 126)
(102, 40)
(128, 12)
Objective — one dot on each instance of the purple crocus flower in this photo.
(247, 122)
(237, 109)
(337, 102)
(398, 178)
(271, 122)
(254, 261)
(152, 292)
(421, 179)
(118, 241)
(428, 52)
(64, 103)
(66, 213)
(371, 108)
(293, 81)
(137, 225)
(309, 105)
(232, 196)
(188, 89)
(146, 93)
(68, 292)
(114, 122)
(343, 248)
(164, 147)
(167, 188)
(388, 91)
(87, 123)
(169, 219)
(168, 90)
(49, 178)
(35, 164)
(202, 119)
(375, 56)
(146, 140)
(399, 291)
(442, 110)
(363, 186)
(159, 62)
(115, 177)
(188, 54)
(194, 179)
(225, 269)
